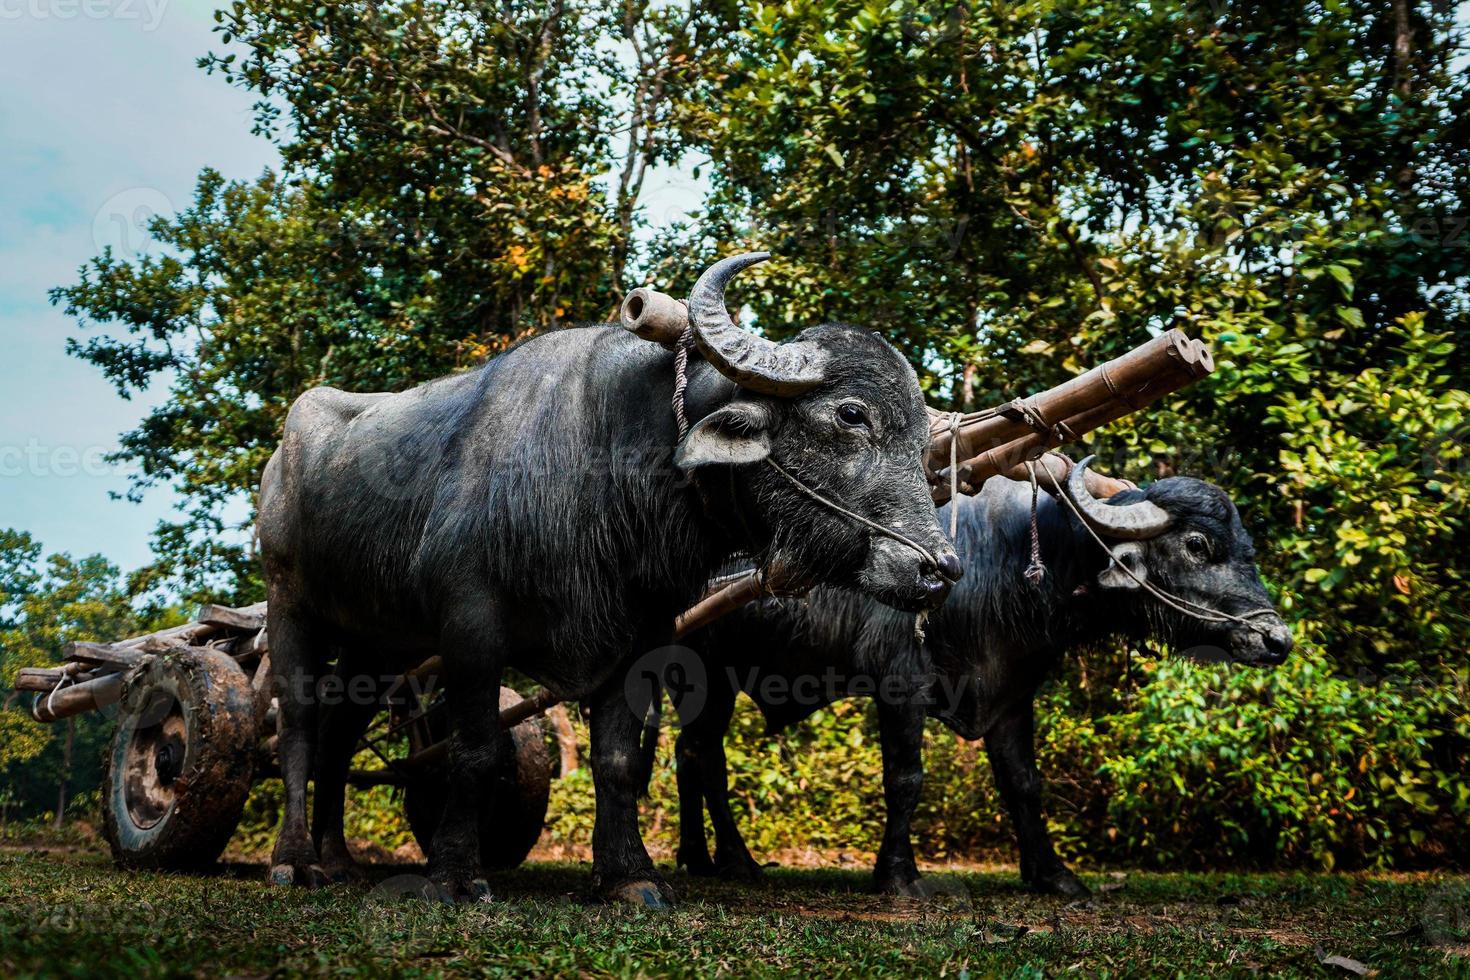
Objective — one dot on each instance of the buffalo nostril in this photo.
(1279, 642)
(950, 567)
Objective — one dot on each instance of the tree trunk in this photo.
(71, 733)
(566, 738)
(967, 388)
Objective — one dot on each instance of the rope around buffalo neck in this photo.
(1178, 604)
(921, 617)
(874, 526)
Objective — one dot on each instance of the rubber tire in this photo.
(211, 709)
(508, 833)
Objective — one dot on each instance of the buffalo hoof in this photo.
(743, 868)
(697, 864)
(297, 875)
(905, 887)
(1063, 883)
(347, 872)
(456, 890)
(644, 894)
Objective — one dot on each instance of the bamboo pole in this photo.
(1129, 382)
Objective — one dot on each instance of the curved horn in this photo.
(749, 361)
(1131, 522)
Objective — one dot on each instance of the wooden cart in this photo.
(196, 727)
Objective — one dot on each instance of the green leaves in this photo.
(455, 176)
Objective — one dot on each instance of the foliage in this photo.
(454, 175)
(1011, 192)
(44, 606)
(1163, 762)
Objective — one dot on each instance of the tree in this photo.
(44, 606)
(1014, 192)
(454, 176)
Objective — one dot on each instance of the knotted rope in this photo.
(1036, 571)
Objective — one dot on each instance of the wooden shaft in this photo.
(42, 679)
(90, 695)
(532, 706)
(988, 463)
(747, 588)
(1123, 379)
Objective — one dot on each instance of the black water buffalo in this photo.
(543, 513)
(986, 651)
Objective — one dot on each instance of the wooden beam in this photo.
(42, 679)
(248, 619)
(106, 654)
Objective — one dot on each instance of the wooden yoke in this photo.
(1000, 441)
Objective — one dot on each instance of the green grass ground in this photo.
(74, 914)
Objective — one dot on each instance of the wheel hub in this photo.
(154, 761)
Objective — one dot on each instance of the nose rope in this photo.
(1177, 603)
(955, 418)
(887, 532)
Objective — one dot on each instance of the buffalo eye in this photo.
(852, 415)
(1198, 546)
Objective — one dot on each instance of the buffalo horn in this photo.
(750, 361)
(1131, 522)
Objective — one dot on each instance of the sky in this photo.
(105, 120)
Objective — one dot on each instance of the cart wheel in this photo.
(509, 832)
(181, 761)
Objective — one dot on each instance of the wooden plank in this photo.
(107, 654)
(249, 618)
(41, 679)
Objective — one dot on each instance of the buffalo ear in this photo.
(729, 436)
(1128, 554)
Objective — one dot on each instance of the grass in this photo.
(74, 914)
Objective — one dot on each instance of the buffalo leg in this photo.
(295, 660)
(620, 863)
(901, 734)
(701, 752)
(343, 723)
(471, 646)
(693, 852)
(1011, 745)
